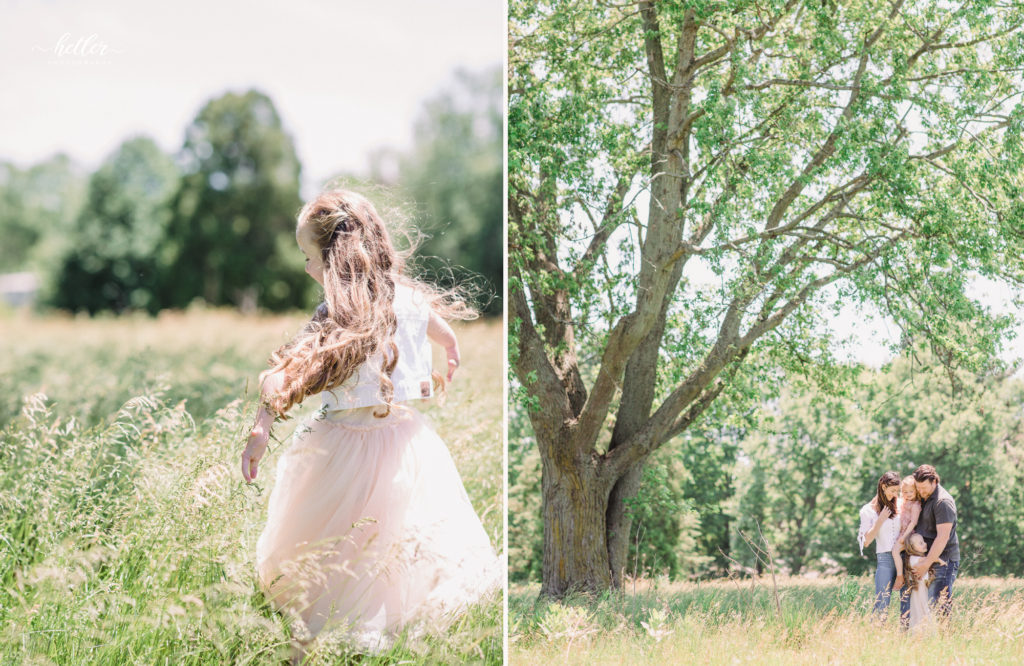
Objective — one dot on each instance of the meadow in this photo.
(821, 621)
(127, 533)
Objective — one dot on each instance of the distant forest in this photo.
(216, 220)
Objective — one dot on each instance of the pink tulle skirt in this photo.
(370, 532)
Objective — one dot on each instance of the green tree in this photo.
(231, 239)
(709, 456)
(664, 524)
(752, 514)
(689, 182)
(110, 260)
(970, 428)
(525, 526)
(807, 457)
(38, 206)
(454, 174)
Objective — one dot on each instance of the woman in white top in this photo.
(880, 522)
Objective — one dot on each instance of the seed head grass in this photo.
(826, 620)
(127, 533)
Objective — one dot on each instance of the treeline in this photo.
(216, 220)
(792, 470)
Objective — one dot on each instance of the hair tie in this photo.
(343, 226)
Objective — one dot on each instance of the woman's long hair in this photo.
(888, 479)
(361, 268)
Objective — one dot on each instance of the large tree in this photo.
(38, 207)
(109, 259)
(691, 180)
(231, 237)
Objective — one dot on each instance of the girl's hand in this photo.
(254, 450)
(440, 332)
(898, 584)
(452, 352)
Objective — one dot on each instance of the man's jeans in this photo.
(940, 592)
(885, 575)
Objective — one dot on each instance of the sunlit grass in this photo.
(127, 534)
(827, 620)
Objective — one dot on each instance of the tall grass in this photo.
(127, 534)
(827, 620)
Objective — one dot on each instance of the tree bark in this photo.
(575, 499)
(634, 410)
(619, 523)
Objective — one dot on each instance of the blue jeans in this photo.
(885, 576)
(940, 591)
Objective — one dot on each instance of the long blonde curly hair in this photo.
(356, 322)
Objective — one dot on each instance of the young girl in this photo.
(916, 550)
(369, 529)
(910, 510)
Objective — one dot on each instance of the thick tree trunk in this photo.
(634, 410)
(575, 550)
(664, 232)
(620, 524)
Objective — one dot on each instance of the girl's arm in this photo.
(260, 435)
(898, 559)
(941, 539)
(270, 383)
(915, 513)
(440, 332)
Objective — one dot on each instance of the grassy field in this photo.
(127, 534)
(822, 621)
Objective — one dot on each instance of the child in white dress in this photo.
(369, 531)
(920, 613)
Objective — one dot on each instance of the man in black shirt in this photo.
(937, 524)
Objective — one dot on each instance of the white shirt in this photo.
(888, 533)
(411, 376)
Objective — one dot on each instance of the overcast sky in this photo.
(346, 76)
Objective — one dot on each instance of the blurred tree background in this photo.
(215, 222)
(232, 225)
(110, 260)
(39, 207)
(453, 176)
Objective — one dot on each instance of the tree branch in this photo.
(828, 147)
(535, 371)
(610, 221)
